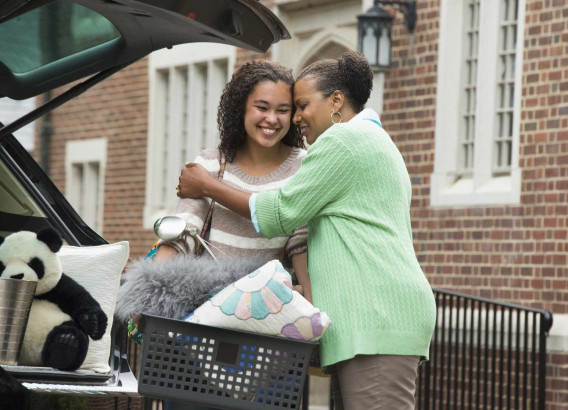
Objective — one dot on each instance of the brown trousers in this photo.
(375, 382)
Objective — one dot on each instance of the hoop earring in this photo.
(340, 117)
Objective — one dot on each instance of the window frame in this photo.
(160, 188)
(86, 152)
(482, 188)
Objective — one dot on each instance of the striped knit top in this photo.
(230, 234)
(354, 192)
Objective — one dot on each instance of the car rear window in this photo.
(50, 33)
(18, 210)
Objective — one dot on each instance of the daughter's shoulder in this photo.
(297, 155)
(209, 153)
(208, 158)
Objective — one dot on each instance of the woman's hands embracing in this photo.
(193, 181)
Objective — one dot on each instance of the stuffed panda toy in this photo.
(63, 314)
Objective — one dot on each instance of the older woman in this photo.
(353, 191)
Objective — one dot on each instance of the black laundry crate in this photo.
(221, 368)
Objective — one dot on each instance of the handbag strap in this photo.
(207, 224)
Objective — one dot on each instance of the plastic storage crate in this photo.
(221, 368)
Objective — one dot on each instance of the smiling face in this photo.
(268, 113)
(313, 110)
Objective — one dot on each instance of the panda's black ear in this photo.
(1, 240)
(51, 238)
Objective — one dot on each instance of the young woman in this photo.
(262, 152)
(353, 191)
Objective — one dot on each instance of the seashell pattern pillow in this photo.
(264, 302)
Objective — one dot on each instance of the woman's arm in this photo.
(325, 176)
(164, 253)
(323, 184)
(195, 182)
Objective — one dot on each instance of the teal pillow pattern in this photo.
(264, 302)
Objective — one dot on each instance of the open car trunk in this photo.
(49, 43)
(45, 44)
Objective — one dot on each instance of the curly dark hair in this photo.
(231, 112)
(350, 74)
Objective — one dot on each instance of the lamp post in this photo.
(374, 30)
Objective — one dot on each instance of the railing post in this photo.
(545, 325)
(509, 385)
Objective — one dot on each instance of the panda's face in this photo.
(23, 256)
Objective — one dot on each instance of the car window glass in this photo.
(17, 209)
(50, 33)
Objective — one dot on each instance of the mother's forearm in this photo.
(237, 201)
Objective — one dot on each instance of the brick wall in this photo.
(116, 109)
(509, 253)
(514, 253)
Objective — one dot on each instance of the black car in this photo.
(45, 44)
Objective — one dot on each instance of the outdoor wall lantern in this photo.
(374, 30)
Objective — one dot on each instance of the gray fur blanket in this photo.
(177, 287)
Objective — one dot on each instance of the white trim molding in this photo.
(185, 86)
(478, 183)
(557, 340)
(85, 165)
(313, 24)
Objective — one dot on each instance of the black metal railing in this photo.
(484, 355)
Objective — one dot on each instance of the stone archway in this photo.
(331, 49)
(321, 46)
(319, 29)
(322, 29)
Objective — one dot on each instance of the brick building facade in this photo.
(514, 250)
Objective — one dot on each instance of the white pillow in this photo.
(98, 270)
(264, 302)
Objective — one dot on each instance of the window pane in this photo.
(84, 192)
(185, 97)
(183, 74)
(469, 88)
(506, 68)
(14, 198)
(506, 10)
(163, 118)
(384, 47)
(18, 210)
(202, 74)
(370, 44)
(91, 189)
(50, 33)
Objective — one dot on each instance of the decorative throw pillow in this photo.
(264, 302)
(98, 270)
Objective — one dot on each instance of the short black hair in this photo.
(351, 74)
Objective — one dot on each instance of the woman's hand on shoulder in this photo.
(193, 181)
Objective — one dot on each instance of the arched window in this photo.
(330, 49)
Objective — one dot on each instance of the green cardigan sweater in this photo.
(353, 191)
